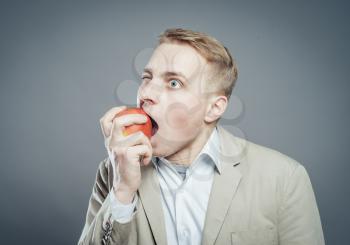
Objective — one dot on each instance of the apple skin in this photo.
(146, 128)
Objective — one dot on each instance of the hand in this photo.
(128, 149)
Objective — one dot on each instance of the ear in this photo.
(216, 108)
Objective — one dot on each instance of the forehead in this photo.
(177, 58)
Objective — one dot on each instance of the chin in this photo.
(158, 153)
(161, 149)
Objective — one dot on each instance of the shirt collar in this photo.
(210, 149)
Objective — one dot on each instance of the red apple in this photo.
(146, 128)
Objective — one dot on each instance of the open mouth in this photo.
(154, 123)
(154, 126)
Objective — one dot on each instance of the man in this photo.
(194, 182)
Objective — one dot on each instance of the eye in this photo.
(145, 77)
(174, 82)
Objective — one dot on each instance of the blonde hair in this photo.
(223, 67)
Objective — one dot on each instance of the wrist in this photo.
(124, 195)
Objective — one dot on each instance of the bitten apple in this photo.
(146, 128)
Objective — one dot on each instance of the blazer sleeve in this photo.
(100, 227)
(299, 219)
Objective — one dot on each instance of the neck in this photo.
(187, 154)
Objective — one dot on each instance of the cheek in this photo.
(181, 116)
(177, 117)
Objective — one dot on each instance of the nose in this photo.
(148, 93)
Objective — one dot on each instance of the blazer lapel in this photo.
(224, 186)
(149, 193)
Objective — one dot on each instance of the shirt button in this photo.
(185, 233)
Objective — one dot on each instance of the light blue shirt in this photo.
(185, 194)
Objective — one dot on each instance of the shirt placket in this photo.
(183, 232)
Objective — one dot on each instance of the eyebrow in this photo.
(167, 73)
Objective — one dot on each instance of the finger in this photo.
(107, 120)
(137, 138)
(130, 119)
(138, 152)
(126, 120)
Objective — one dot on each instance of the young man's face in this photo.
(177, 103)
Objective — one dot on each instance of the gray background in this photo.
(63, 61)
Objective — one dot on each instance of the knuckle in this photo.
(102, 124)
(148, 150)
(119, 151)
(115, 150)
(129, 152)
(134, 136)
(113, 109)
(118, 141)
(140, 135)
(117, 122)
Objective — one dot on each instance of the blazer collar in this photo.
(230, 153)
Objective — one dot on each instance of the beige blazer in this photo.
(262, 197)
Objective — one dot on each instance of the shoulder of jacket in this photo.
(267, 159)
